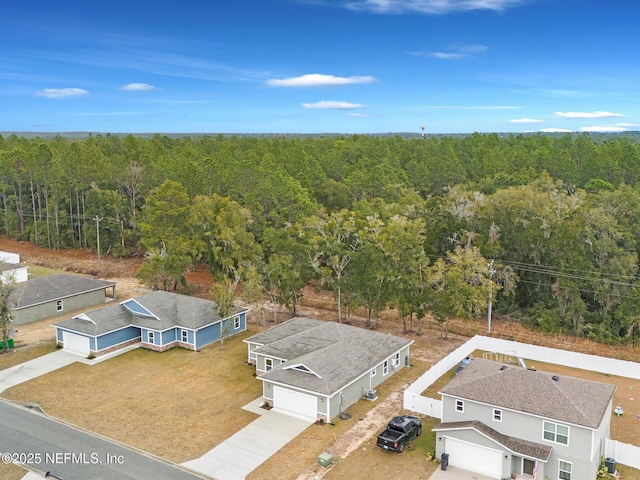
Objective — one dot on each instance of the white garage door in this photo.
(75, 343)
(474, 457)
(296, 403)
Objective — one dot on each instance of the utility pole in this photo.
(98, 219)
(491, 272)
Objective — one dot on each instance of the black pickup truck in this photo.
(400, 431)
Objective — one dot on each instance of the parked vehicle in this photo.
(400, 431)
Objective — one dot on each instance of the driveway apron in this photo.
(244, 451)
(23, 372)
(454, 473)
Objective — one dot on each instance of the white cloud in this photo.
(358, 115)
(627, 125)
(555, 130)
(138, 87)
(525, 120)
(434, 7)
(61, 92)
(604, 128)
(333, 105)
(588, 114)
(454, 52)
(318, 80)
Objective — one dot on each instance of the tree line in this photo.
(546, 225)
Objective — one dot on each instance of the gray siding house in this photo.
(53, 295)
(500, 420)
(157, 320)
(318, 369)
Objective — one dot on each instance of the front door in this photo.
(527, 466)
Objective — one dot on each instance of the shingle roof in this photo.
(5, 266)
(516, 445)
(167, 309)
(53, 287)
(338, 354)
(567, 399)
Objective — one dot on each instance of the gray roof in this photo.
(516, 445)
(567, 399)
(5, 266)
(53, 287)
(167, 310)
(338, 354)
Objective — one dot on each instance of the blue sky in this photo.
(318, 66)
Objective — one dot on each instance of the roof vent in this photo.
(555, 378)
(503, 367)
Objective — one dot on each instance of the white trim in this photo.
(459, 405)
(385, 368)
(184, 332)
(570, 472)
(151, 337)
(149, 315)
(85, 317)
(497, 415)
(555, 432)
(488, 438)
(59, 305)
(521, 412)
(297, 366)
(268, 368)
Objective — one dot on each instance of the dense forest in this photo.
(548, 227)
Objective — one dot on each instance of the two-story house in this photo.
(500, 419)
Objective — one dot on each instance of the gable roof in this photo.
(167, 310)
(7, 266)
(335, 354)
(559, 397)
(516, 445)
(54, 287)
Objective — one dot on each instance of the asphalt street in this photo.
(72, 454)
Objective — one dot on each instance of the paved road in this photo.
(71, 454)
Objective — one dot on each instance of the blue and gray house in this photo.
(158, 321)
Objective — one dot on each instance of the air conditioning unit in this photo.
(371, 395)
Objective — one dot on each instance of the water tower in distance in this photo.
(422, 127)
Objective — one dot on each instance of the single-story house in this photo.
(11, 269)
(157, 320)
(499, 420)
(317, 369)
(51, 295)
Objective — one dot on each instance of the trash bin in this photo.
(610, 463)
(10, 342)
(444, 461)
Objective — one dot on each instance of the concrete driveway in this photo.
(244, 451)
(454, 473)
(23, 372)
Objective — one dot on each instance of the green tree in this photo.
(165, 233)
(332, 243)
(460, 286)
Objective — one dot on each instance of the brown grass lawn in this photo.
(23, 354)
(11, 472)
(177, 404)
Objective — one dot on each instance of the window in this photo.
(459, 406)
(385, 367)
(556, 433)
(151, 337)
(236, 323)
(268, 364)
(59, 305)
(564, 471)
(373, 372)
(396, 360)
(497, 415)
(185, 336)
